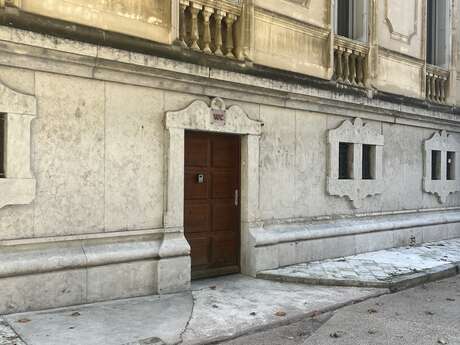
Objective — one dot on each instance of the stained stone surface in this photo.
(7, 335)
(214, 310)
(425, 315)
(372, 268)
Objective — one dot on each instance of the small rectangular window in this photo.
(344, 18)
(2, 144)
(368, 162)
(435, 165)
(345, 161)
(437, 36)
(451, 165)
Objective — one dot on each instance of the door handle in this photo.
(236, 197)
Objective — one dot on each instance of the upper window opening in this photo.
(351, 19)
(437, 49)
(2, 144)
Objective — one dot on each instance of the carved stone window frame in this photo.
(443, 142)
(198, 116)
(355, 189)
(18, 187)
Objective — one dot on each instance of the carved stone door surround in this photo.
(199, 116)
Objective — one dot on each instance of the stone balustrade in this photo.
(350, 61)
(211, 27)
(436, 84)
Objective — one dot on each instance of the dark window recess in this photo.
(431, 32)
(344, 18)
(345, 161)
(435, 165)
(2, 145)
(368, 162)
(437, 32)
(451, 166)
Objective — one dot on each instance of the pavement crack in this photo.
(181, 335)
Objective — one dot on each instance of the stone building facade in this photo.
(146, 142)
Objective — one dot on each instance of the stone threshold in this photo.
(394, 269)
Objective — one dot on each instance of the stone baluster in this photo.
(360, 69)
(339, 71)
(428, 86)
(433, 87)
(206, 39)
(346, 66)
(183, 23)
(442, 84)
(352, 68)
(229, 20)
(194, 34)
(218, 16)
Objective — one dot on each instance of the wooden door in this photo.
(212, 207)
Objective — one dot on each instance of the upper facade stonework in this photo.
(375, 49)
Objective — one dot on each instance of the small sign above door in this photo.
(218, 112)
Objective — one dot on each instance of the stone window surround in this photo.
(198, 117)
(441, 141)
(355, 189)
(18, 187)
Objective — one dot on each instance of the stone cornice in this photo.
(25, 49)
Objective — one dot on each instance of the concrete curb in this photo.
(395, 284)
(288, 320)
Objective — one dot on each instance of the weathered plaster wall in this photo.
(293, 162)
(293, 36)
(98, 152)
(401, 52)
(146, 19)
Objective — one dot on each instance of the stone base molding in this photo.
(281, 245)
(38, 275)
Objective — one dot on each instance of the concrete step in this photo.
(394, 269)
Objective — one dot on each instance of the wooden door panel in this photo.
(223, 185)
(198, 217)
(223, 218)
(211, 216)
(223, 153)
(201, 251)
(224, 251)
(197, 151)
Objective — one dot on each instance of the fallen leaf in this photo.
(450, 299)
(443, 341)
(429, 313)
(337, 334)
(280, 313)
(23, 320)
(316, 313)
(215, 306)
(372, 331)
(253, 313)
(74, 314)
(372, 311)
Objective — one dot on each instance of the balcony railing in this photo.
(350, 61)
(211, 27)
(437, 85)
